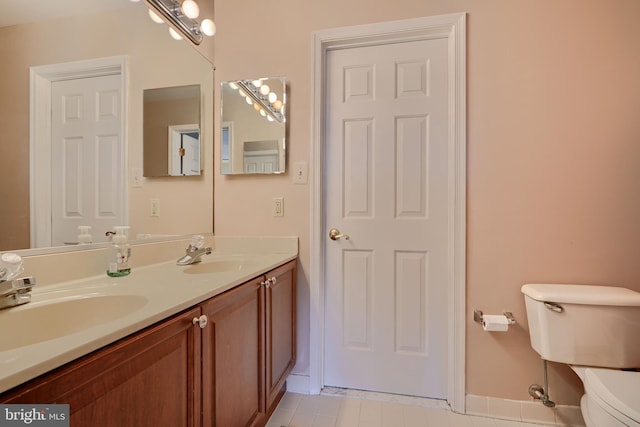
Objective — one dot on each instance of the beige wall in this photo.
(553, 153)
(154, 60)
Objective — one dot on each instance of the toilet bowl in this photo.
(612, 397)
(595, 330)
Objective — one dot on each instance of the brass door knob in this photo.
(335, 234)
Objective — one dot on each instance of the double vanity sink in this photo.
(68, 320)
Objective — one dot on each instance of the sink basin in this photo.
(217, 266)
(37, 322)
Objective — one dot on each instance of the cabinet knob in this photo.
(201, 321)
(269, 282)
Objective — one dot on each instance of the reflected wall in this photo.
(153, 60)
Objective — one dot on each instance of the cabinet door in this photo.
(149, 379)
(231, 358)
(280, 328)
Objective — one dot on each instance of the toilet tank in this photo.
(584, 324)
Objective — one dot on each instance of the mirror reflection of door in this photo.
(225, 147)
(78, 145)
(170, 113)
(86, 150)
(260, 156)
(184, 150)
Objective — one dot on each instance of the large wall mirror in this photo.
(40, 41)
(253, 126)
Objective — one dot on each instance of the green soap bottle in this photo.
(119, 253)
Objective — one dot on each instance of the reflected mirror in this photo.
(39, 40)
(171, 131)
(253, 126)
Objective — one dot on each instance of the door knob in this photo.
(335, 234)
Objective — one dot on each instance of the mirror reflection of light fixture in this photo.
(260, 96)
(183, 16)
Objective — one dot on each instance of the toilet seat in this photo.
(616, 392)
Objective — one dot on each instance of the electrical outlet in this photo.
(278, 206)
(155, 207)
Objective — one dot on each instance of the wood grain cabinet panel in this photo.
(149, 379)
(280, 327)
(232, 363)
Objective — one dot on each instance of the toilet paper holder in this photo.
(477, 317)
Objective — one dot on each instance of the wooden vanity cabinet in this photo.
(280, 327)
(232, 360)
(229, 372)
(150, 379)
(249, 349)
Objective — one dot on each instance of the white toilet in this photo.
(595, 330)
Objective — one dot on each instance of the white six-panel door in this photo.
(86, 151)
(386, 182)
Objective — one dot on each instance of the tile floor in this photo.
(299, 410)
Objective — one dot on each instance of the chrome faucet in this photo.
(16, 292)
(193, 255)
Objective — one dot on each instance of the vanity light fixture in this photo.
(257, 95)
(183, 17)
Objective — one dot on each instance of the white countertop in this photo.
(167, 288)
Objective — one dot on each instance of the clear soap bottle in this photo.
(84, 234)
(119, 253)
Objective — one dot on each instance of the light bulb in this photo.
(208, 27)
(270, 118)
(256, 106)
(263, 113)
(242, 93)
(272, 97)
(190, 9)
(277, 104)
(257, 83)
(174, 34)
(265, 89)
(233, 85)
(154, 17)
(249, 100)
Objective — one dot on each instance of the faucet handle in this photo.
(17, 286)
(24, 284)
(197, 241)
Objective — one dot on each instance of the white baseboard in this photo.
(298, 384)
(523, 411)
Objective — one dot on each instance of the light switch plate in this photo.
(136, 177)
(300, 172)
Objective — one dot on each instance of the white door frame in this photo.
(41, 78)
(453, 28)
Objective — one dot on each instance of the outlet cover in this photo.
(277, 206)
(155, 207)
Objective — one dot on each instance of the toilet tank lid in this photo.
(582, 294)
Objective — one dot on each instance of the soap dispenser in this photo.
(119, 253)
